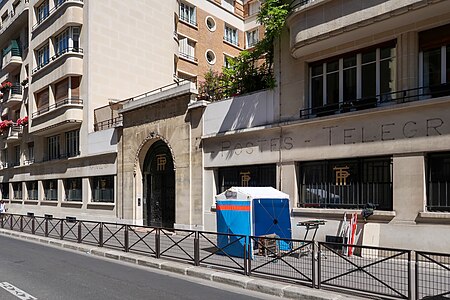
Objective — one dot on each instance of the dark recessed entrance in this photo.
(159, 187)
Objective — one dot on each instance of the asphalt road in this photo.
(44, 272)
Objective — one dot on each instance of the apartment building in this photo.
(68, 65)
(359, 120)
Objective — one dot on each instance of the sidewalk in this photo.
(266, 286)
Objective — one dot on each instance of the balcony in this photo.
(188, 57)
(65, 114)
(13, 95)
(18, 17)
(62, 53)
(12, 57)
(387, 99)
(59, 6)
(14, 133)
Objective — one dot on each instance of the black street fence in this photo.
(376, 271)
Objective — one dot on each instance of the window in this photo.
(17, 190)
(228, 5)
(187, 14)
(438, 182)
(30, 158)
(253, 8)
(53, 147)
(103, 189)
(62, 90)
(73, 189)
(5, 158)
(355, 76)
(17, 155)
(50, 189)
(32, 190)
(231, 35)
(42, 99)
(252, 38)
(227, 61)
(43, 56)
(255, 175)
(351, 183)
(210, 23)
(68, 40)
(434, 59)
(75, 87)
(73, 143)
(5, 190)
(59, 2)
(187, 48)
(210, 57)
(42, 12)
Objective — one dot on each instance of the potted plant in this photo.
(23, 121)
(6, 85)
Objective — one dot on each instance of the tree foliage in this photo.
(252, 70)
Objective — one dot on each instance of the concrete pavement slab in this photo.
(176, 267)
(232, 279)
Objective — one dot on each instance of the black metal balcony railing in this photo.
(403, 96)
(188, 57)
(61, 156)
(51, 11)
(16, 89)
(67, 101)
(188, 20)
(103, 125)
(56, 56)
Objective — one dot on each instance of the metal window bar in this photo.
(373, 270)
(432, 275)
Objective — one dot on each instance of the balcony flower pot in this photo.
(23, 121)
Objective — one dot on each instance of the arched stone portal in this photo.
(158, 176)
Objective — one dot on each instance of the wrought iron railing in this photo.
(106, 124)
(51, 11)
(397, 97)
(374, 271)
(55, 57)
(67, 101)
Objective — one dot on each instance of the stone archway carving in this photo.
(153, 135)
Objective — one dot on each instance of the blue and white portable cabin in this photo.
(252, 211)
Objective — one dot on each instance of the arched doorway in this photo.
(159, 186)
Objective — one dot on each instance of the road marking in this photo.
(16, 291)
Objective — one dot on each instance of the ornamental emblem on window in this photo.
(161, 162)
(341, 175)
(245, 178)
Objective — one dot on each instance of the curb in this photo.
(265, 286)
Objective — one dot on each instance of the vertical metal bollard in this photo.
(79, 232)
(126, 242)
(100, 235)
(158, 243)
(196, 249)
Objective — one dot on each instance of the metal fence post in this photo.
(314, 254)
(409, 276)
(79, 232)
(46, 227)
(33, 225)
(126, 241)
(249, 258)
(21, 223)
(61, 229)
(196, 249)
(319, 279)
(416, 280)
(158, 243)
(100, 235)
(11, 222)
(1, 217)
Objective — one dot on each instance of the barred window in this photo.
(352, 183)
(5, 190)
(438, 182)
(255, 175)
